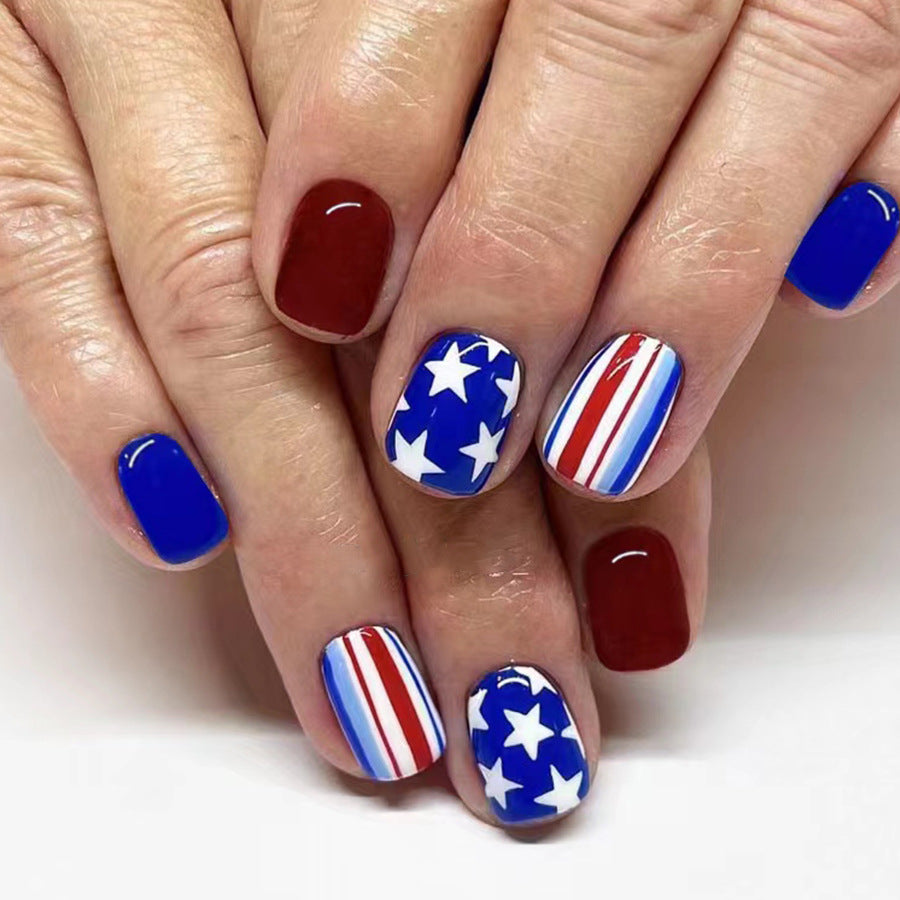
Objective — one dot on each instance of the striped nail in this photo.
(382, 704)
(607, 427)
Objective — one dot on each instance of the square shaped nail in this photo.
(844, 246)
(178, 513)
(448, 428)
(527, 746)
(606, 429)
(382, 704)
(335, 257)
(636, 600)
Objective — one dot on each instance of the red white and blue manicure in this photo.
(382, 703)
(449, 425)
(609, 424)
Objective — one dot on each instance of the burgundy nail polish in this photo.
(636, 601)
(335, 257)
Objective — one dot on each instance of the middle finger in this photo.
(583, 101)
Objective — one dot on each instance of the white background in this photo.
(133, 763)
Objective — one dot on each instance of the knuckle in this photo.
(807, 38)
(208, 304)
(638, 32)
(527, 251)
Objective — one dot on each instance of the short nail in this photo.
(382, 704)
(606, 429)
(845, 244)
(178, 513)
(526, 745)
(450, 423)
(335, 258)
(636, 602)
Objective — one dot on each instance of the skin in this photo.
(548, 234)
(128, 301)
(128, 304)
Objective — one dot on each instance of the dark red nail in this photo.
(335, 257)
(636, 601)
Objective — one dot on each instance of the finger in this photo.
(697, 273)
(640, 568)
(496, 619)
(848, 259)
(366, 135)
(514, 252)
(68, 336)
(177, 195)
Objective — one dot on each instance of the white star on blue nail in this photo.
(450, 373)
(528, 730)
(411, 459)
(496, 786)
(564, 794)
(510, 387)
(485, 451)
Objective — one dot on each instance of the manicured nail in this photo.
(527, 746)
(607, 427)
(178, 513)
(382, 704)
(335, 258)
(836, 259)
(636, 601)
(450, 422)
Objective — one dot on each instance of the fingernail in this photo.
(178, 513)
(606, 429)
(636, 603)
(449, 425)
(526, 745)
(335, 258)
(382, 704)
(844, 246)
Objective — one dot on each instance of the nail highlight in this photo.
(845, 244)
(449, 425)
(335, 258)
(608, 426)
(178, 513)
(636, 601)
(526, 745)
(382, 704)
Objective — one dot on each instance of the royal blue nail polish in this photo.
(527, 746)
(842, 249)
(450, 423)
(178, 513)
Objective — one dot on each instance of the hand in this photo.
(748, 114)
(131, 317)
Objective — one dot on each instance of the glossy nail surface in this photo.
(178, 513)
(845, 244)
(382, 703)
(636, 601)
(526, 745)
(335, 258)
(449, 425)
(607, 427)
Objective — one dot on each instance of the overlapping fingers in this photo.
(199, 346)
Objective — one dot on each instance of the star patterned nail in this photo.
(527, 746)
(449, 425)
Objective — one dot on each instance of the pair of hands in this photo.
(133, 152)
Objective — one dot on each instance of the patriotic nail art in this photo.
(449, 425)
(527, 746)
(382, 703)
(607, 427)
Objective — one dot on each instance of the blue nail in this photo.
(451, 420)
(527, 746)
(836, 259)
(179, 514)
